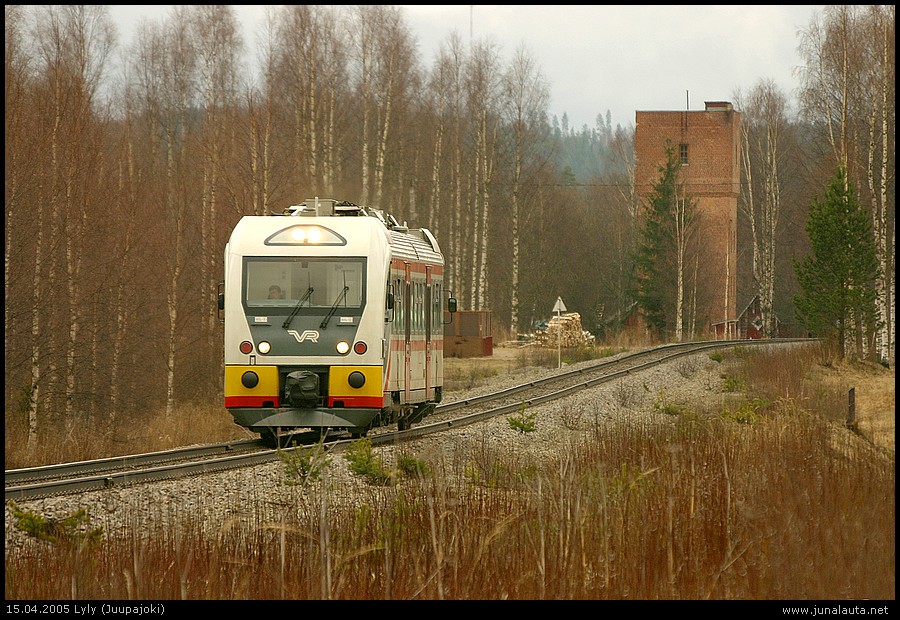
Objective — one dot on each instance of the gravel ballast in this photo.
(260, 494)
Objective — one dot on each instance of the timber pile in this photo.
(564, 331)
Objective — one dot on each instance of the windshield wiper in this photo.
(287, 321)
(342, 295)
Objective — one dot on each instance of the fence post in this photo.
(851, 410)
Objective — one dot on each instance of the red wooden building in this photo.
(748, 325)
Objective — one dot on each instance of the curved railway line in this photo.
(70, 478)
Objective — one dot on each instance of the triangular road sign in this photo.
(559, 306)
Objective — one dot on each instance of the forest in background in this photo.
(129, 162)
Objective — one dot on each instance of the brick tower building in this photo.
(709, 145)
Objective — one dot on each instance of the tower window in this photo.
(684, 154)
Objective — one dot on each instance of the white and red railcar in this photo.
(333, 320)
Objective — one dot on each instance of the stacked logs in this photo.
(565, 331)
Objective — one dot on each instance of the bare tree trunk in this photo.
(127, 190)
(686, 221)
(694, 298)
(328, 171)
(261, 135)
(486, 176)
(266, 205)
(381, 145)
(364, 139)
(885, 255)
(514, 284)
(175, 213)
(527, 95)
(255, 156)
(35, 388)
(456, 215)
(73, 262)
(312, 154)
(434, 204)
(680, 243)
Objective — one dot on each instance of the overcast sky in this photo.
(599, 58)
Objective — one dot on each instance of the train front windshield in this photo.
(313, 283)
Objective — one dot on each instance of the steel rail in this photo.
(114, 463)
(176, 470)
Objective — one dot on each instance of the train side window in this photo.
(436, 303)
(422, 308)
(415, 316)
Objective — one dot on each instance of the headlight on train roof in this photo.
(306, 234)
(343, 347)
(263, 347)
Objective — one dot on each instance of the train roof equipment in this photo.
(408, 243)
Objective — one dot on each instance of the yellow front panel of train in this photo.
(237, 392)
(340, 382)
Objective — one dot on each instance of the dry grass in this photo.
(99, 438)
(701, 509)
(783, 504)
(873, 387)
(466, 373)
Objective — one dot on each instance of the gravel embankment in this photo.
(259, 495)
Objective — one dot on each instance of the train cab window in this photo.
(312, 283)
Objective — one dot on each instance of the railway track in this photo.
(80, 477)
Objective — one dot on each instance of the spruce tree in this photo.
(838, 279)
(655, 262)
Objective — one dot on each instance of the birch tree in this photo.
(20, 123)
(763, 121)
(168, 86)
(526, 97)
(684, 223)
(76, 44)
(260, 119)
(306, 75)
(456, 57)
(382, 54)
(880, 164)
(217, 45)
(483, 83)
